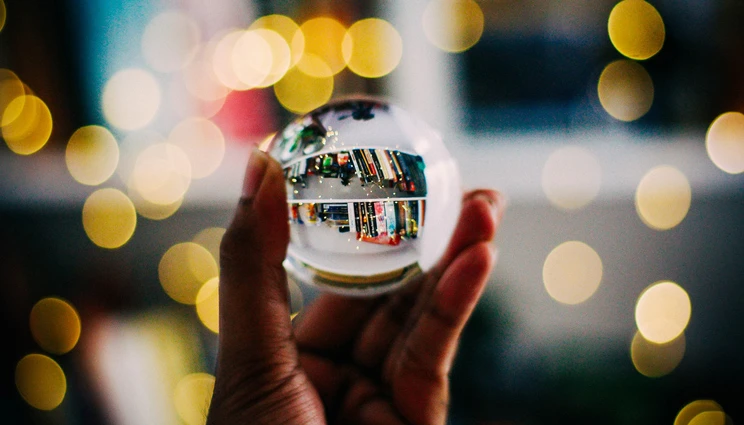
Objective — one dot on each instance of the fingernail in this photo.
(254, 173)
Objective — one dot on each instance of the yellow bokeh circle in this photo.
(655, 360)
(192, 397)
(372, 48)
(572, 272)
(162, 174)
(725, 142)
(663, 197)
(211, 238)
(288, 29)
(26, 124)
(131, 99)
(711, 418)
(300, 92)
(323, 38)
(625, 90)
(636, 29)
(662, 312)
(41, 381)
(208, 305)
(92, 155)
(184, 269)
(11, 87)
(55, 325)
(109, 218)
(693, 409)
(453, 25)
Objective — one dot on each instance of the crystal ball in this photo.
(372, 196)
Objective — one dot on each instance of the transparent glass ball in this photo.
(372, 196)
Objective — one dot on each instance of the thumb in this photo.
(255, 326)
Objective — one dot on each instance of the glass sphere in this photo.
(372, 196)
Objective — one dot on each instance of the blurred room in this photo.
(615, 130)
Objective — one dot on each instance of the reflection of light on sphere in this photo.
(372, 194)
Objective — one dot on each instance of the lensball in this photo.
(372, 196)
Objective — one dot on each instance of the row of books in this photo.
(380, 222)
(384, 167)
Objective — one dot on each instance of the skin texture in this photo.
(364, 361)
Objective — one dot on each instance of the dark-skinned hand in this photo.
(363, 361)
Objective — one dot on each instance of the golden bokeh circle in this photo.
(31, 126)
(625, 90)
(162, 174)
(636, 29)
(372, 48)
(252, 57)
(571, 178)
(300, 92)
(453, 25)
(55, 325)
(655, 360)
(572, 272)
(663, 312)
(211, 238)
(710, 418)
(323, 38)
(3, 14)
(184, 269)
(724, 142)
(11, 87)
(288, 29)
(131, 99)
(208, 305)
(41, 381)
(109, 218)
(92, 155)
(663, 197)
(691, 410)
(192, 397)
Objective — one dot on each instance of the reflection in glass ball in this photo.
(372, 194)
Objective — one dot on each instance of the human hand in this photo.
(382, 360)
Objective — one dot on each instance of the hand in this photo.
(382, 360)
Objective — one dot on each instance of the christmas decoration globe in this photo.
(372, 196)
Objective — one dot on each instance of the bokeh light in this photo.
(571, 177)
(92, 155)
(725, 142)
(11, 87)
(625, 90)
(202, 142)
(162, 174)
(323, 38)
(288, 29)
(109, 218)
(691, 410)
(663, 197)
(662, 312)
(3, 14)
(170, 41)
(572, 272)
(152, 210)
(201, 81)
(41, 381)
(453, 25)
(222, 61)
(655, 360)
(372, 48)
(192, 397)
(208, 305)
(253, 59)
(131, 99)
(27, 124)
(184, 269)
(636, 29)
(55, 325)
(130, 147)
(300, 92)
(211, 238)
(711, 418)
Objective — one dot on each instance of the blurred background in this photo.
(614, 129)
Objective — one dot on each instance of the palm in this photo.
(386, 359)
